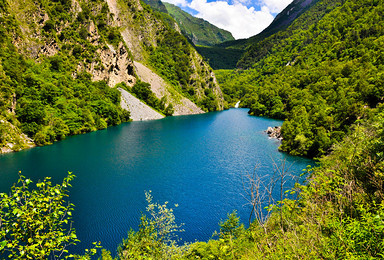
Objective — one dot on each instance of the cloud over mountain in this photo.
(243, 18)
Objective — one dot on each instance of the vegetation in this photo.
(142, 91)
(172, 63)
(54, 71)
(36, 223)
(156, 5)
(338, 214)
(220, 58)
(43, 99)
(173, 57)
(324, 76)
(199, 31)
(320, 77)
(170, 54)
(230, 54)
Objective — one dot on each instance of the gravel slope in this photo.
(181, 105)
(139, 111)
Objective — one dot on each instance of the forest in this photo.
(320, 77)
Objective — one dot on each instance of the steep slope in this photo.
(300, 14)
(60, 62)
(229, 54)
(198, 30)
(168, 54)
(157, 5)
(293, 11)
(320, 76)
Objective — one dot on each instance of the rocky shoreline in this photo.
(274, 132)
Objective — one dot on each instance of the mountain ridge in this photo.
(199, 31)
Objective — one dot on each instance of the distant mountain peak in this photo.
(198, 30)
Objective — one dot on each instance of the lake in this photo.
(194, 161)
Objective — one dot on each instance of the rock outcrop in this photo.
(274, 132)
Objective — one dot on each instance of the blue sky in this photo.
(243, 18)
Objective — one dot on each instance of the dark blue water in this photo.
(194, 161)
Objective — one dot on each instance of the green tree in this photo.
(36, 224)
(156, 237)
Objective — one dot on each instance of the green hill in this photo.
(199, 31)
(157, 5)
(234, 50)
(319, 76)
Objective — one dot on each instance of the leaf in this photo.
(3, 244)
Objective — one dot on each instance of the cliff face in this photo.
(87, 42)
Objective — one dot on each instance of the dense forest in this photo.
(324, 76)
(320, 77)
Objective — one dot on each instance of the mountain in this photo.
(198, 30)
(281, 22)
(157, 5)
(226, 55)
(64, 65)
(320, 74)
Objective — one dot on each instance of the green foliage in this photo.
(209, 103)
(53, 99)
(170, 54)
(231, 228)
(199, 31)
(338, 214)
(220, 58)
(142, 244)
(320, 75)
(142, 91)
(36, 224)
(172, 58)
(53, 105)
(155, 238)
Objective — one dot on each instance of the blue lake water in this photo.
(193, 161)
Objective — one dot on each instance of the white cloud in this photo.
(275, 6)
(241, 21)
(177, 2)
(237, 16)
(244, 2)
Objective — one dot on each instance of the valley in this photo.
(105, 70)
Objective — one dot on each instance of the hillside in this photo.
(61, 63)
(319, 76)
(293, 11)
(231, 54)
(199, 31)
(157, 5)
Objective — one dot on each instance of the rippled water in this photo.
(194, 161)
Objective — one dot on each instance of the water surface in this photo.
(194, 161)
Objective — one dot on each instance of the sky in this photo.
(243, 18)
